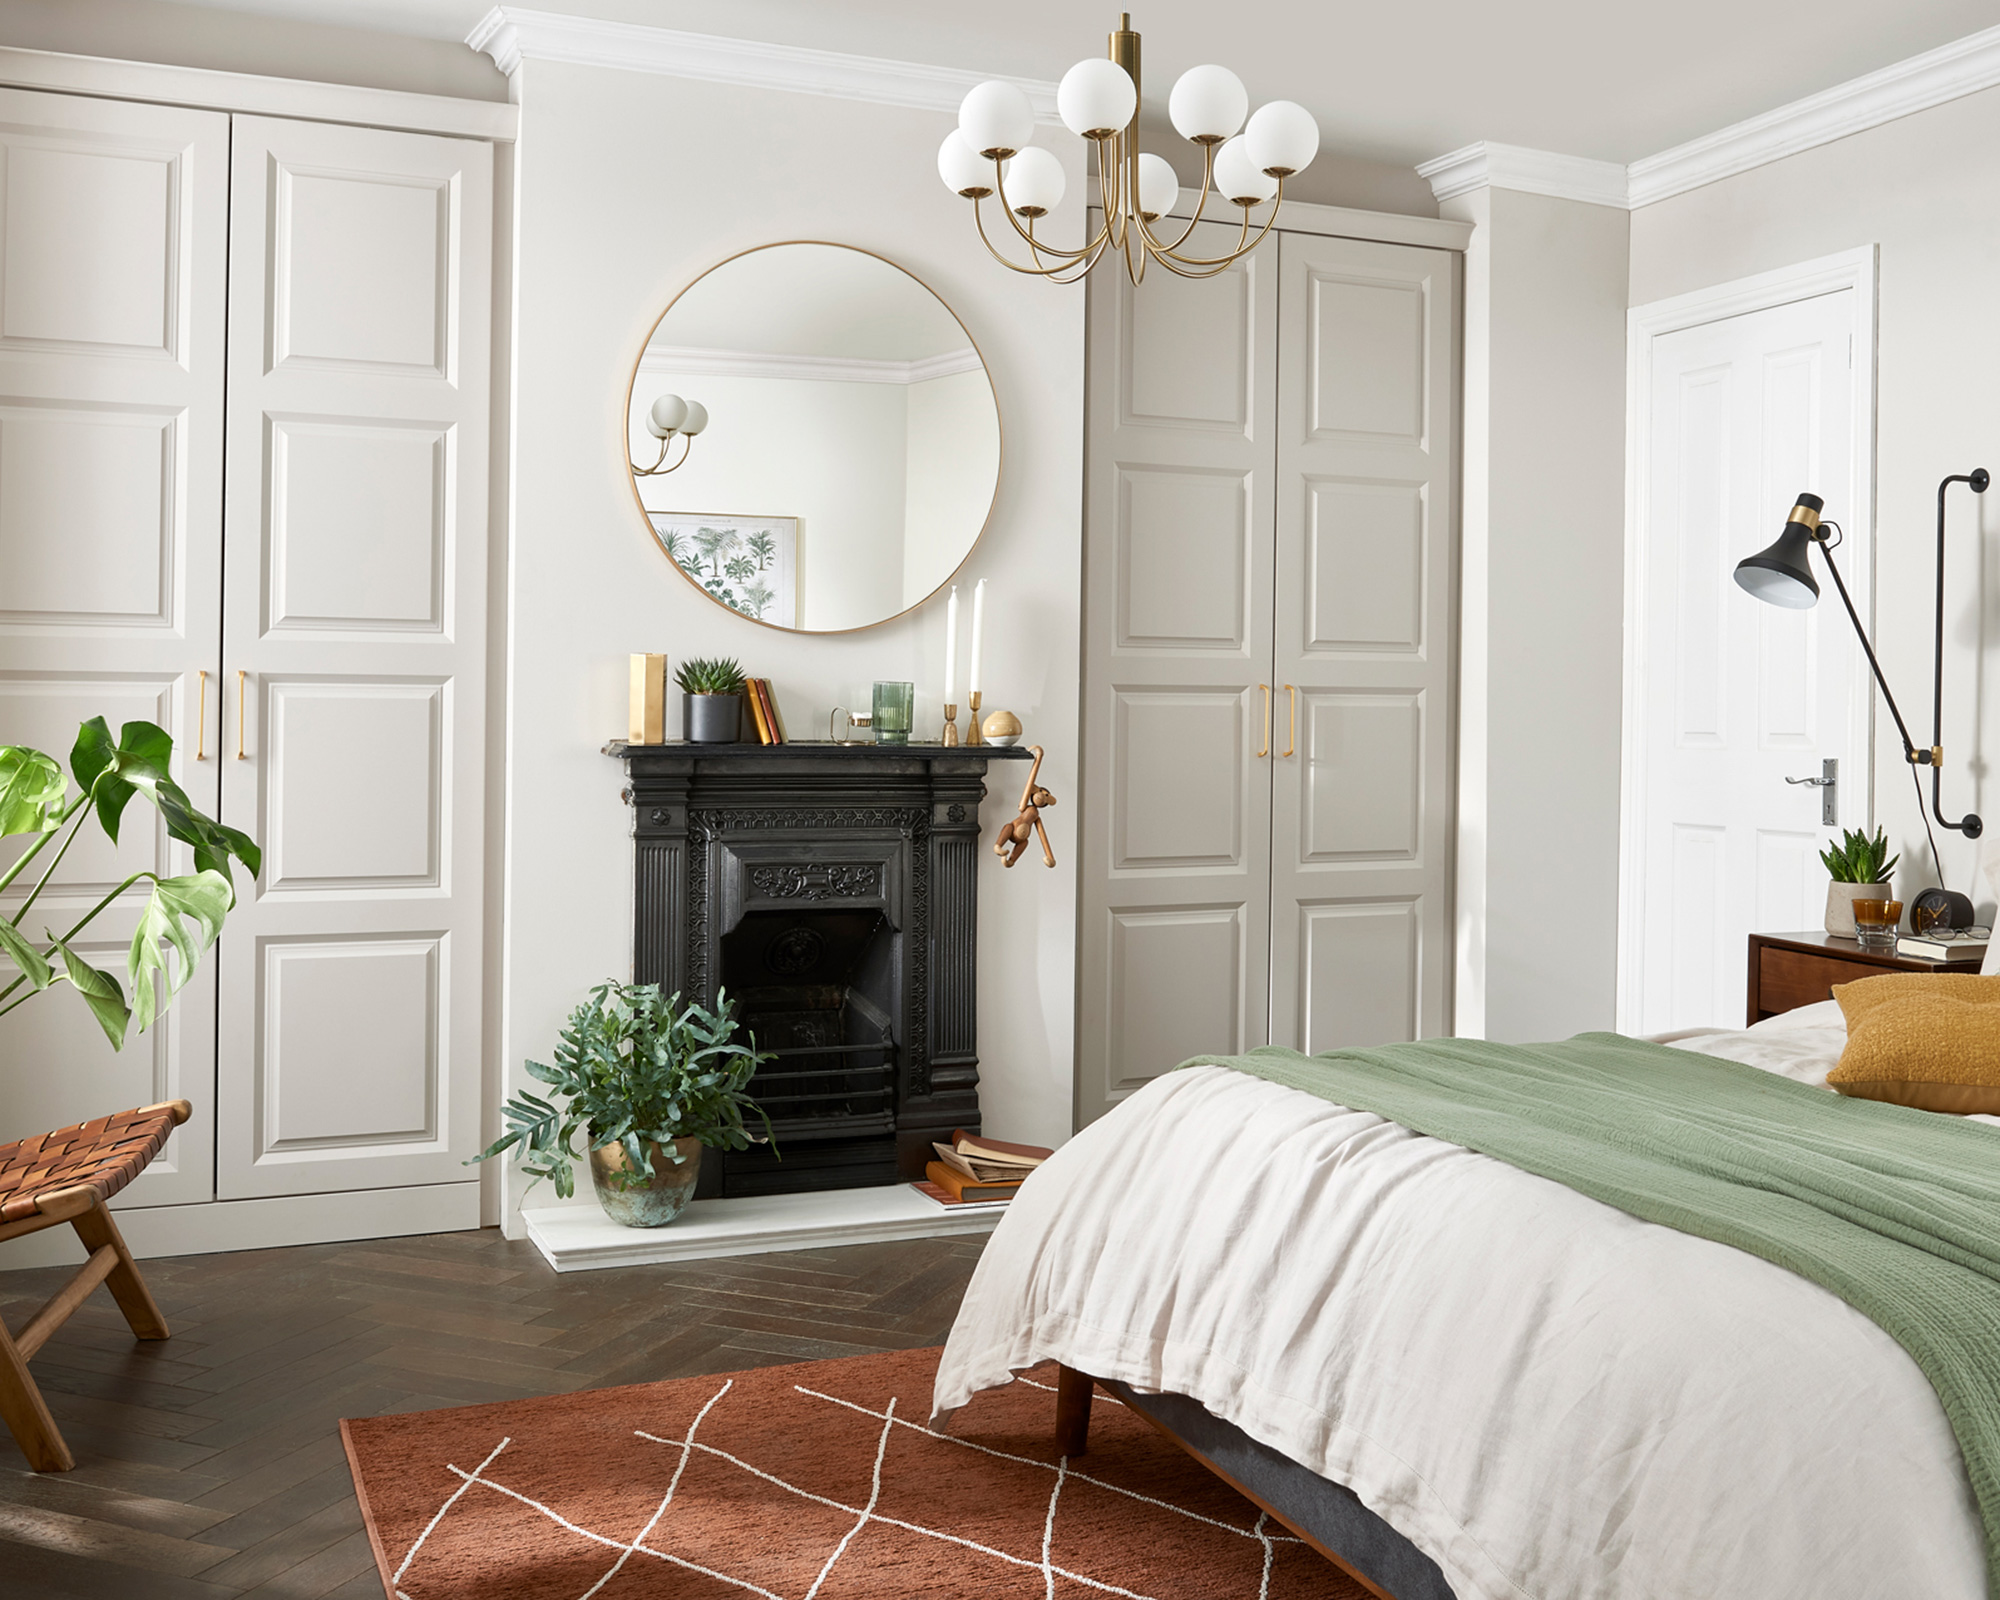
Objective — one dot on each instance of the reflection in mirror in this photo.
(852, 444)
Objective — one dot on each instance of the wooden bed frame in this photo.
(1074, 1393)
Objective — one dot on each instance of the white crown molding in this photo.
(688, 361)
(1965, 66)
(249, 92)
(511, 34)
(1511, 166)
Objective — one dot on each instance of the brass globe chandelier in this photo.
(671, 418)
(988, 154)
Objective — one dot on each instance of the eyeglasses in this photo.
(1974, 935)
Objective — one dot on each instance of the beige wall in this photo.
(630, 186)
(1542, 615)
(238, 41)
(1920, 189)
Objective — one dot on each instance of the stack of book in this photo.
(764, 710)
(1946, 945)
(975, 1170)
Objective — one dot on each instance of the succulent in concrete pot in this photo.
(712, 699)
(1859, 867)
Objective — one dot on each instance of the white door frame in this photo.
(1850, 269)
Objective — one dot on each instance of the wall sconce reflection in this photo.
(672, 418)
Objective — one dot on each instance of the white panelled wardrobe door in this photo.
(113, 261)
(1175, 877)
(1361, 813)
(356, 549)
(1736, 696)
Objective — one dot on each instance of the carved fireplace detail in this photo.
(832, 891)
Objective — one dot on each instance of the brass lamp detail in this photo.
(672, 418)
(989, 155)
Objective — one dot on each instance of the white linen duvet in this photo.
(1546, 1396)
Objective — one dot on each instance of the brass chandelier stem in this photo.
(656, 469)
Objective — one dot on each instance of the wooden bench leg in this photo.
(1073, 1393)
(96, 1229)
(27, 1414)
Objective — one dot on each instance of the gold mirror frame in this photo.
(645, 516)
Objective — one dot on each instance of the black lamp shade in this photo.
(1782, 574)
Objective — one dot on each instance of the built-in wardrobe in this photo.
(1269, 663)
(244, 460)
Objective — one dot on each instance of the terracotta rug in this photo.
(809, 1482)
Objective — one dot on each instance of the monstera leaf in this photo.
(203, 899)
(31, 791)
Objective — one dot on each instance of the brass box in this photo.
(649, 700)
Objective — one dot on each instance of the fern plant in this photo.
(1860, 859)
(636, 1068)
(710, 675)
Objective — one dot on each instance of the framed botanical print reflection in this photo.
(750, 564)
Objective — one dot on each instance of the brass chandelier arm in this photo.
(1077, 267)
(656, 470)
(1244, 243)
(1200, 205)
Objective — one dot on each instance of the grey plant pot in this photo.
(712, 718)
(1840, 898)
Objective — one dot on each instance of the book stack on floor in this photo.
(764, 710)
(975, 1170)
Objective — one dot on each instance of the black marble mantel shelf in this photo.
(805, 750)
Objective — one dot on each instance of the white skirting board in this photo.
(217, 1225)
(580, 1238)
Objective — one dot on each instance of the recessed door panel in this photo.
(318, 839)
(362, 267)
(1178, 761)
(360, 520)
(1791, 879)
(1177, 973)
(1367, 549)
(1191, 349)
(1364, 775)
(1369, 355)
(350, 1050)
(333, 1080)
(1183, 558)
(1361, 977)
(90, 515)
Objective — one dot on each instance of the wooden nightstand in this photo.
(1789, 970)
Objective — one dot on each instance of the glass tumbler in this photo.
(893, 702)
(1875, 923)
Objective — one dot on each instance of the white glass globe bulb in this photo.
(1282, 138)
(1096, 97)
(697, 418)
(1035, 182)
(1237, 177)
(996, 119)
(964, 170)
(667, 415)
(1159, 188)
(1208, 104)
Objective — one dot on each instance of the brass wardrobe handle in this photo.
(201, 717)
(1292, 743)
(240, 673)
(1266, 750)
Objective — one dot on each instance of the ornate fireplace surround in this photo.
(837, 877)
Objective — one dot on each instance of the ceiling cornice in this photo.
(1965, 66)
(511, 34)
(692, 362)
(1510, 166)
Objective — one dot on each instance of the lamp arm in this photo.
(1910, 751)
(1971, 826)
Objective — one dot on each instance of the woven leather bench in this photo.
(66, 1176)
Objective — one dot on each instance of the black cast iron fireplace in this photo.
(829, 892)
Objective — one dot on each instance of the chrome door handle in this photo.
(1828, 784)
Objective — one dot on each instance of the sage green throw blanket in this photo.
(1897, 1211)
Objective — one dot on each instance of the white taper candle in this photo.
(951, 648)
(978, 634)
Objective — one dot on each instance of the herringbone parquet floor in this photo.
(209, 1465)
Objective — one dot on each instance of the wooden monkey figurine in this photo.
(1016, 836)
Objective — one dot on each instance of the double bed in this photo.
(1468, 1382)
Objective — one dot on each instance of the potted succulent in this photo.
(712, 703)
(1859, 867)
(650, 1081)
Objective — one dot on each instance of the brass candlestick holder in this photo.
(972, 734)
(950, 726)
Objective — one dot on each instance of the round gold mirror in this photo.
(813, 437)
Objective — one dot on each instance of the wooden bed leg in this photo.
(1073, 1392)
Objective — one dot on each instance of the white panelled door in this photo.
(353, 656)
(1735, 696)
(113, 263)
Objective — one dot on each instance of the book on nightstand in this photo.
(1928, 949)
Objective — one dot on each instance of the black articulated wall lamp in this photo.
(1782, 575)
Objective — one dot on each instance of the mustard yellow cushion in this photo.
(1921, 1044)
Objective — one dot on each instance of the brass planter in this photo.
(650, 1202)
